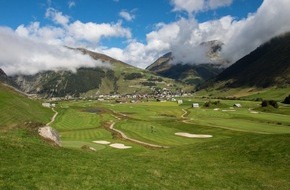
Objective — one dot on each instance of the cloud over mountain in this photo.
(184, 36)
(22, 55)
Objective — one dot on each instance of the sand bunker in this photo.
(119, 146)
(92, 149)
(102, 142)
(193, 135)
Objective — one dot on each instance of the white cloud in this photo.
(93, 32)
(71, 4)
(214, 4)
(33, 48)
(26, 56)
(188, 5)
(127, 15)
(70, 33)
(57, 16)
(192, 6)
(271, 19)
(48, 34)
(184, 36)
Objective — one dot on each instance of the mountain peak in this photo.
(190, 73)
(2, 73)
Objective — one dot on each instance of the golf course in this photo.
(144, 145)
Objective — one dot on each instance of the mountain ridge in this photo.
(121, 78)
(268, 65)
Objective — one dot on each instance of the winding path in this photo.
(53, 117)
(184, 113)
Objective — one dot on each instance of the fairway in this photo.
(244, 151)
(157, 122)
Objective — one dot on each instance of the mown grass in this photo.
(16, 109)
(241, 120)
(252, 93)
(230, 160)
(157, 122)
(69, 119)
(244, 162)
(80, 123)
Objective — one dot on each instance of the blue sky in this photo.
(138, 31)
(147, 13)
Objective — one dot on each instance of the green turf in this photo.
(243, 162)
(278, 94)
(237, 157)
(16, 109)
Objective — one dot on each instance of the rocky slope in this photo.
(190, 73)
(6, 80)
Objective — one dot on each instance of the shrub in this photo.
(210, 103)
(287, 100)
(266, 103)
(158, 79)
(148, 83)
(133, 76)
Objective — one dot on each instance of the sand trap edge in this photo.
(102, 142)
(119, 146)
(188, 135)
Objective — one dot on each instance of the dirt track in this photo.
(53, 117)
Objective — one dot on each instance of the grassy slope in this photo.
(252, 93)
(16, 109)
(267, 66)
(230, 160)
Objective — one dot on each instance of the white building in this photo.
(179, 101)
(47, 105)
(195, 105)
(237, 105)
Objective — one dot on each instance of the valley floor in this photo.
(249, 149)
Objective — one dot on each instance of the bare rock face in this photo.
(49, 133)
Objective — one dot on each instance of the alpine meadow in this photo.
(173, 94)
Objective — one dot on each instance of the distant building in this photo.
(195, 105)
(179, 101)
(47, 105)
(237, 105)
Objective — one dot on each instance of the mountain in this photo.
(190, 73)
(268, 65)
(3, 76)
(6, 80)
(118, 78)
